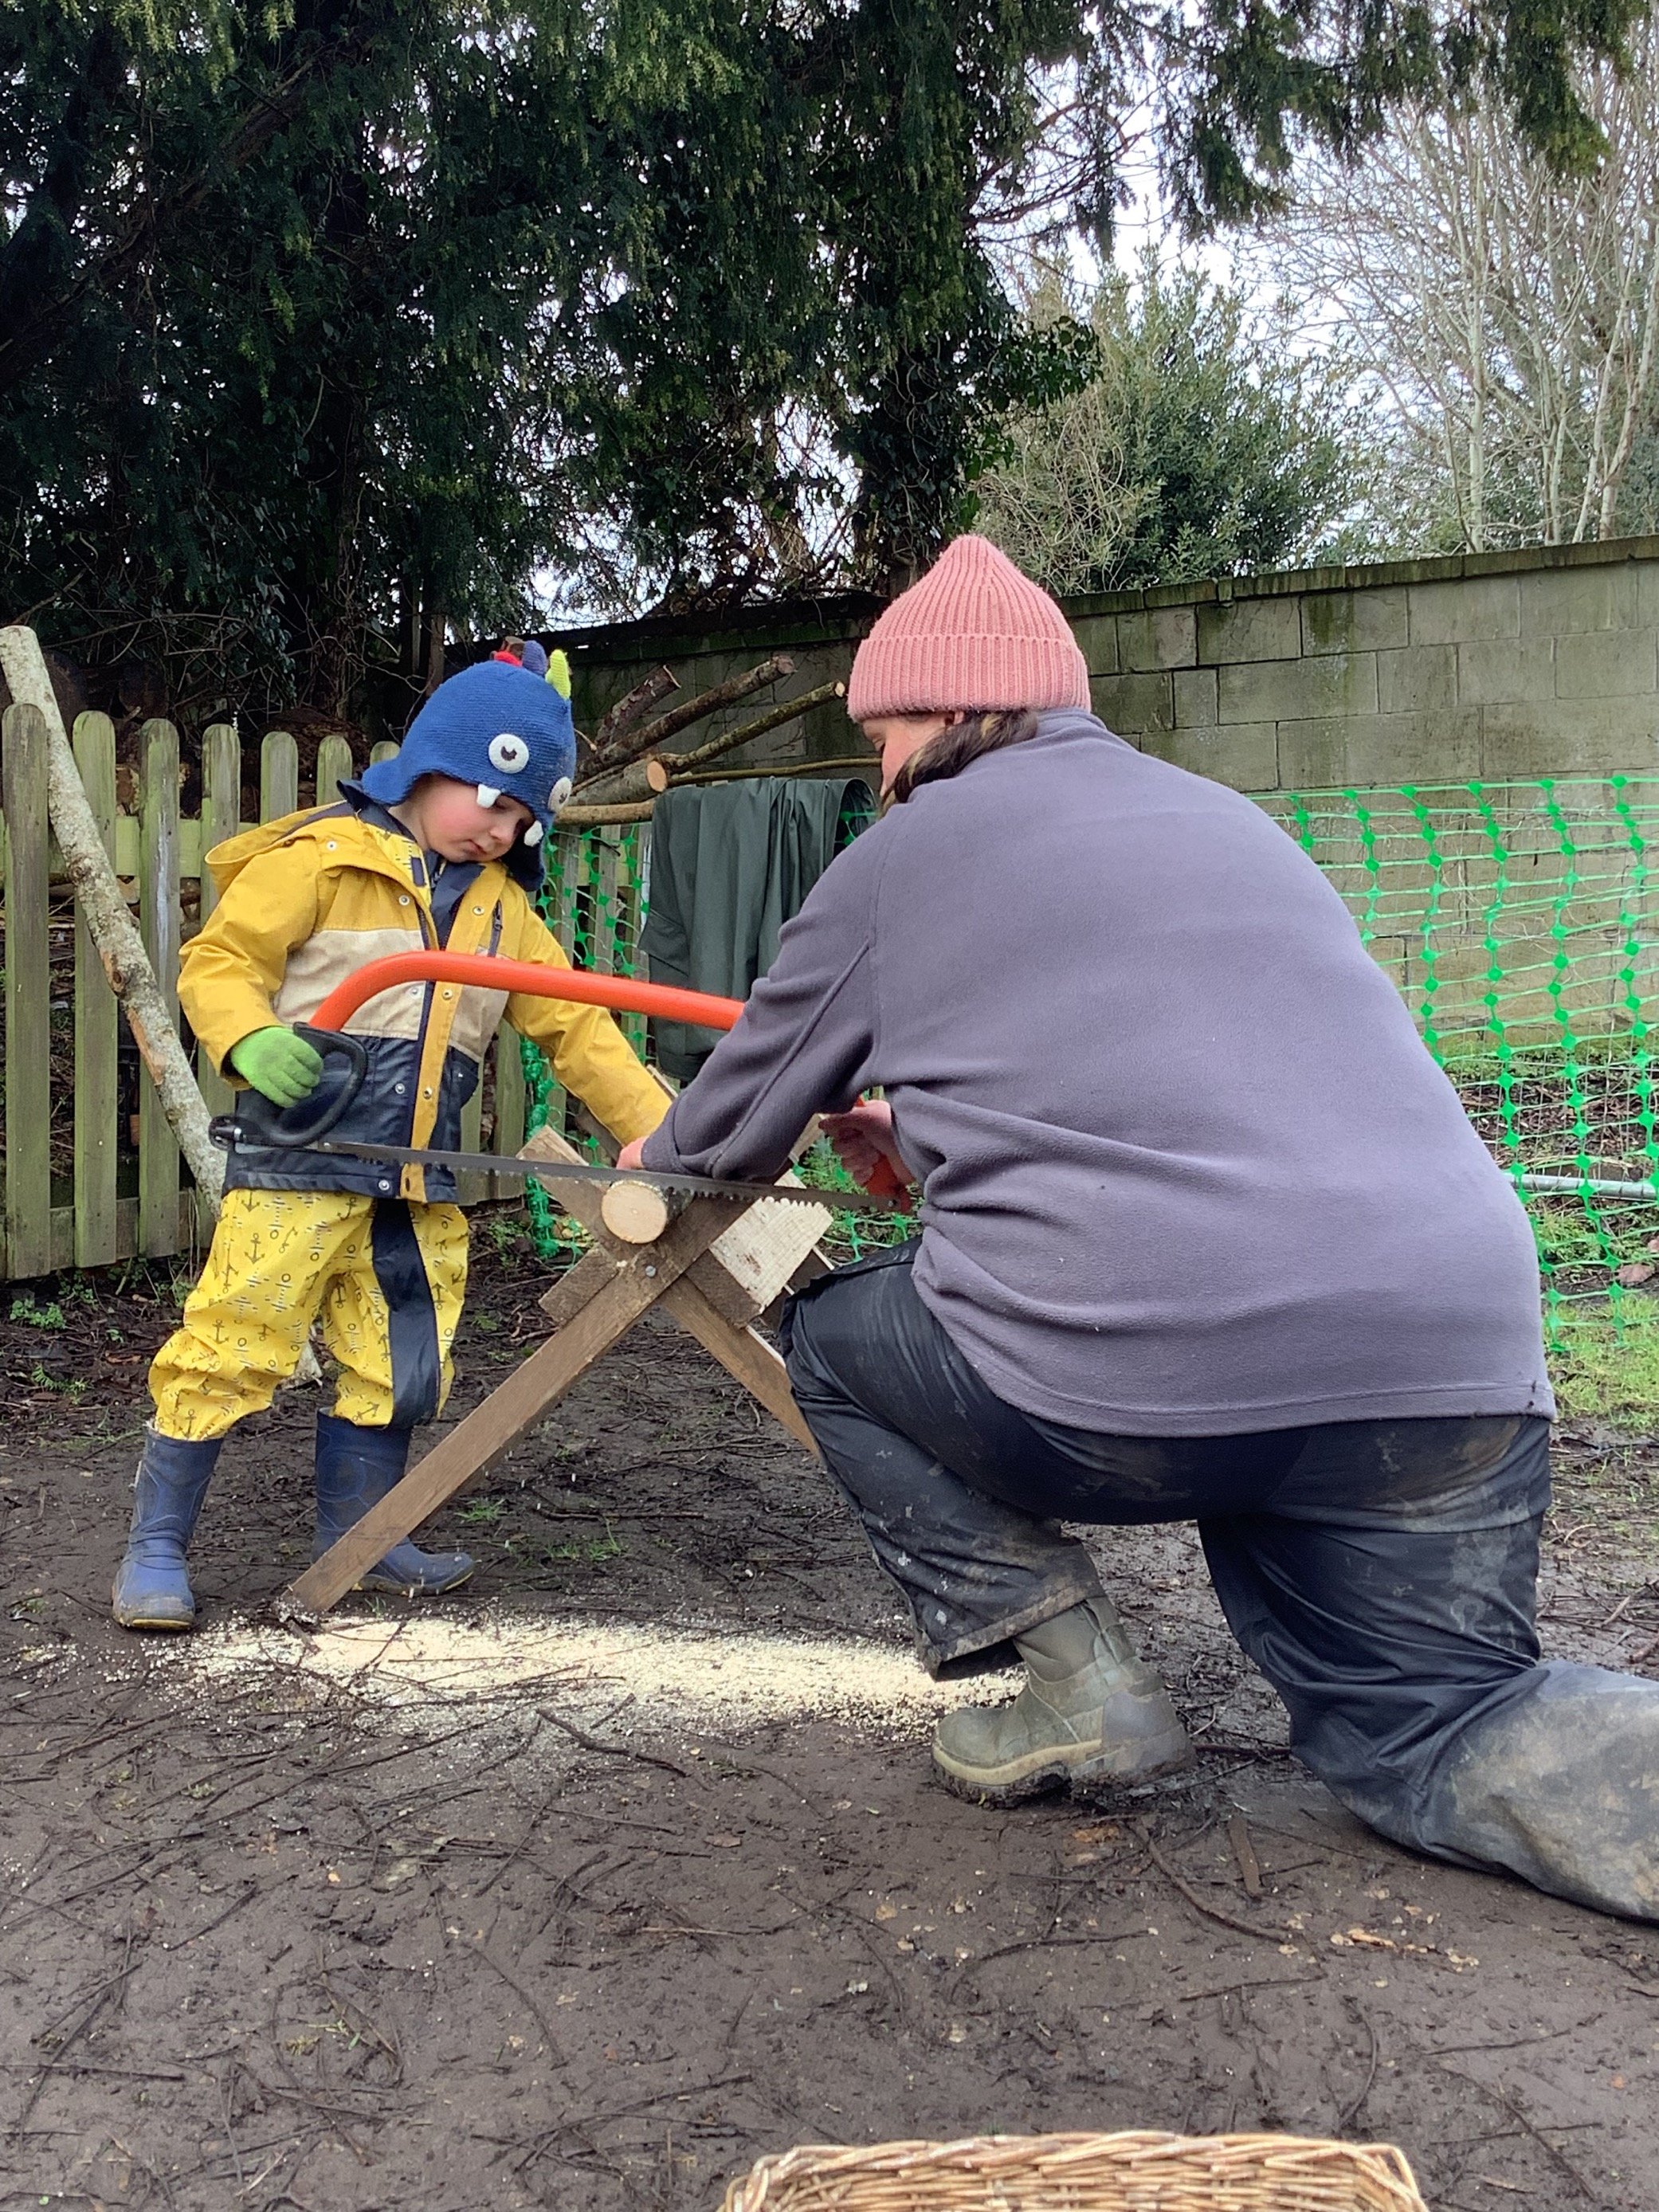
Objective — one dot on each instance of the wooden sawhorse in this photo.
(715, 1265)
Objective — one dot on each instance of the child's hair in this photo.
(987, 731)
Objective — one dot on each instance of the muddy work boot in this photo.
(1090, 1712)
(152, 1588)
(355, 1467)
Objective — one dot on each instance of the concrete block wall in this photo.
(1497, 666)
(1500, 667)
(1493, 668)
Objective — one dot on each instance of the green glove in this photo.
(279, 1066)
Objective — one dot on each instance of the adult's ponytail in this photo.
(987, 731)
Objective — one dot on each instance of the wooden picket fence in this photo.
(117, 1200)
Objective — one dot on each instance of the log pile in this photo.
(623, 770)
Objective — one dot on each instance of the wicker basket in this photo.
(1131, 2173)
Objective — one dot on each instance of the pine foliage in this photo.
(326, 323)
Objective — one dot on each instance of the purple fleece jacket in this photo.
(1187, 1168)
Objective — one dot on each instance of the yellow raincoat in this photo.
(376, 1252)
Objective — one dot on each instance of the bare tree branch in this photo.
(656, 734)
(628, 710)
(1510, 313)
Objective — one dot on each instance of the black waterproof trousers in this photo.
(1380, 1573)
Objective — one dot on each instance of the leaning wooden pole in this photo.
(109, 924)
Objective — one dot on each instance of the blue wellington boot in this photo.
(152, 1590)
(355, 1467)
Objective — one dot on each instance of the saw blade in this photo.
(852, 1201)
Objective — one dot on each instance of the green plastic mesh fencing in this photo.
(1518, 920)
(593, 898)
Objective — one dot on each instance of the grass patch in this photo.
(1607, 1371)
(849, 1236)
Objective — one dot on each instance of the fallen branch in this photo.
(681, 764)
(109, 923)
(638, 741)
(628, 709)
(602, 817)
(1275, 1935)
(625, 795)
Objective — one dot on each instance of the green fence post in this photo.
(97, 1018)
(29, 995)
(159, 921)
(279, 776)
(221, 818)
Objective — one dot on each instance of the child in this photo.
(442, 846)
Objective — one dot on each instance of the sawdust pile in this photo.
(666, 1678)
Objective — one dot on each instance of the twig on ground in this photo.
(610, 1750)
(538, 2147)
(251, 1890)
(95, 2000)
(1502, 2096)
(1249, 1866)
(1359, 2013)
(1055, 1943)
(1265, 1982)
(519, 1989)
(1202, 1905)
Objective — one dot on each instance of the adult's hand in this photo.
(863, 1137)
(278, 1065)
(629, 1155)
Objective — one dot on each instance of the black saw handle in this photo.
(259, 1126)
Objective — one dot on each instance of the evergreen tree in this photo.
(1201, 443)
(324, 321)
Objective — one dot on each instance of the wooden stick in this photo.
(1249, 1866)
(628, 785)
(493, 1427)
(628, 709)
(98, 896)
(1173, 1876)
(693, 710)
(681, 764)
(866, 764)
(602, 817)
(634, 786)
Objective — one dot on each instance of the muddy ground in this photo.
(277, 1930)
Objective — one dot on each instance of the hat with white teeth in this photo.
(504, 725)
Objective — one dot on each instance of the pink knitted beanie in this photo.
(972, 632)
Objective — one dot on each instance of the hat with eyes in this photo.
(503, 726)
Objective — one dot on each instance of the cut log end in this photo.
(636, 1213)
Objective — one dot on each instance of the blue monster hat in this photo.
(504, 725)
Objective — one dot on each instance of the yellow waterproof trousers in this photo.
(385, 1277)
